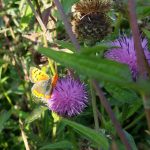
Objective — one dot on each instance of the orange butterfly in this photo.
(43, 84)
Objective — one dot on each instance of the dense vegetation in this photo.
(110, 84)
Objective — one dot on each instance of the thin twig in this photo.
(24, 137)
(67, 25)
(49, 38)
(95, 114)
(98, 90)
(111, 115)
(93, 99)
(143, 67)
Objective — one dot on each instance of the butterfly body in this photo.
(43, 84)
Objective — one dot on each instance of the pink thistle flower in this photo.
(69, 97)
(125, 53)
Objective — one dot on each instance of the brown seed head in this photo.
(90, 20)
(89, 6)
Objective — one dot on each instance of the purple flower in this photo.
(69, 97)
(125, 53)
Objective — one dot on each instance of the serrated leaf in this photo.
(35, 114)
(4, 116)
(97, 138)
(92, 66)
(58, 145)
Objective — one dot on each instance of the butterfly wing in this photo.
(42, 89)
(37, 75)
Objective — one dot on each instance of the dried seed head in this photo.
(90, 20)
(89, 6)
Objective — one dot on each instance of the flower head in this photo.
(90, 20)
(69, 97)
(125, 53)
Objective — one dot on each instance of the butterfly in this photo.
(43, 84)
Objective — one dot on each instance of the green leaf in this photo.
(58, 145)
(97, 138)
(131, 140)
(3, 62)
(4, 116)
(121, 95)
(35, 114)
(133, 108)
(147, 33)
(67, 5)
(26, 16)
(143, 11)
(94, 49)
(92, 66)
(67, 45)
(98, 68)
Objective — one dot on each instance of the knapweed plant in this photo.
(74, 75)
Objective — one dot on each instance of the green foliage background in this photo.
(23, 120)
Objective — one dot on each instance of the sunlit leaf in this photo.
(92, 66)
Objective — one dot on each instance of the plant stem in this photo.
(43, 27)
(67, 25)
(143, 67)
(100, 93)
(24, 137)
(142, 64)
(94, 107)
(134, 121)
(93, 98)
(73, 139)
(112, 116)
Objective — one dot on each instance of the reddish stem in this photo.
(142, 64)
(67, 25)
(99, 91)
(143, 67)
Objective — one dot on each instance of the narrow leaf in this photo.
(92, 66)
(97, 68)
(67, 45)
(97, 138)
(58, 145)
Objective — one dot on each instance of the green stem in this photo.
(93, 98)
(73, 139)
(94, 107)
